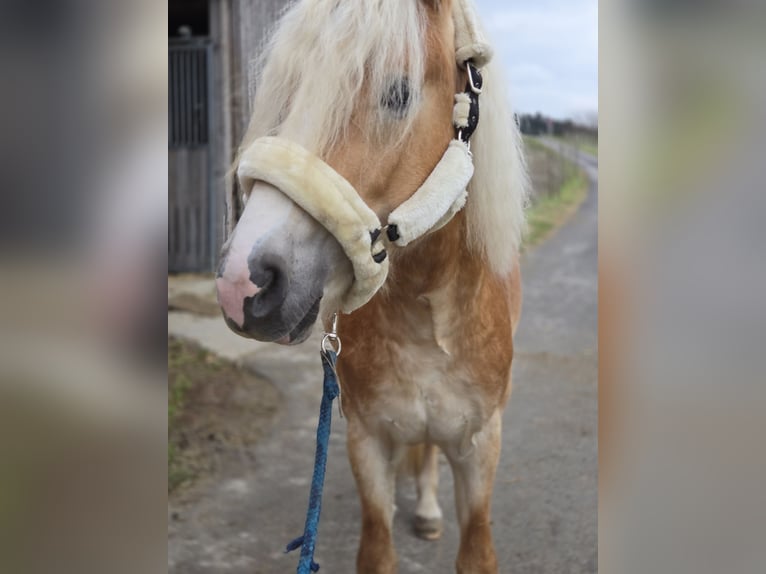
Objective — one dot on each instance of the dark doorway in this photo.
(188, 19)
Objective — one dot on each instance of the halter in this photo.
(330, 199)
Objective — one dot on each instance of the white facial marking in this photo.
(274, 228)
(260, 218)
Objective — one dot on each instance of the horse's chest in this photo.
(428, 397)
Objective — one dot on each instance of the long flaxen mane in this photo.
(326, 54)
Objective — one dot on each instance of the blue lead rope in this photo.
(307, 542)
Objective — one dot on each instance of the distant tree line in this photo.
(538, 124)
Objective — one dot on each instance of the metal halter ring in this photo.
(332, 337)
(333, 341)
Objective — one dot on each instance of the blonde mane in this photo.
(326, 54)
(498, 192)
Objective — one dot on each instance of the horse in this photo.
(359, 98)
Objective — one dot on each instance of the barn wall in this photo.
(253, 20)
(238, 29)
(221, 140)
(187, 191)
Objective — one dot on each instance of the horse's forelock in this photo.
(324, 55)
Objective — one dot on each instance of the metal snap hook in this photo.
(331, 340)
(476, 85)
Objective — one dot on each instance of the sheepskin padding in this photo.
(462, 110)
(470, 42)
(325, 195)
(437, 201)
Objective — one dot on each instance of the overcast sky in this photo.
(549, 49)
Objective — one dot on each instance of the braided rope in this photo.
(307, 542)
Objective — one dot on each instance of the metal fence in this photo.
(188, 79)
(190, 213)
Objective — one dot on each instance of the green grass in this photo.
(178, 391)
(589, 147)
(177, 472)
(191, 370)
(531, 142)
(583, 143)
(179, 357)
(553, 206)
(551, 211)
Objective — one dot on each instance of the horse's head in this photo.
(368, 87)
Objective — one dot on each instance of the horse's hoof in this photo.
(428, 528)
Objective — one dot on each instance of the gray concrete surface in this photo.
(545, 502)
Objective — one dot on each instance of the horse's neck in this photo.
(431, 289)
(437, 261)
(436, 289)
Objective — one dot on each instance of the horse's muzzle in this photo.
(264, 304)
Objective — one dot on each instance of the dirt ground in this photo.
(216, 413)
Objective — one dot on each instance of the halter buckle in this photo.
(374, 236)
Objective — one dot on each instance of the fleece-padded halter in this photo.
(332, 200)
(470, 43)
(325, 195)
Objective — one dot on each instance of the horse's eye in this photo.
(397, 99)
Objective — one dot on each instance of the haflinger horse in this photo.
(363, 114)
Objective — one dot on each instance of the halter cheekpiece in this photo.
(332, 200)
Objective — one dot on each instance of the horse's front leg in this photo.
(373, 463)
(474, 473)
(428, 514)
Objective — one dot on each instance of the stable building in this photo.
(212, 47)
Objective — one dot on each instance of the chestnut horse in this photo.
(369, 87)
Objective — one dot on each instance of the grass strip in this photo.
(549, 213)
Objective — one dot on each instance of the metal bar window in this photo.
(188, 95)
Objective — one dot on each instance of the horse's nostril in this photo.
(273, 283)
(268, 277)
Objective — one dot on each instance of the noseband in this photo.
(330, 199)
